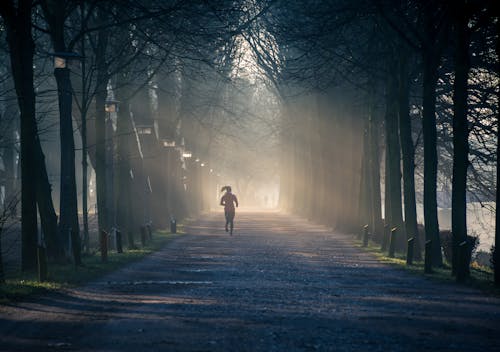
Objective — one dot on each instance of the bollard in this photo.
(173, 226)
(428, 257)
(103, 240)
(119, 247)
(149, 232)
(365, 236)
(392, 243)
(143, 236)
(461, 261)
(42, 264)
(409, 251)
(385, 236)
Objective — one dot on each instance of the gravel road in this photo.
(278, 284)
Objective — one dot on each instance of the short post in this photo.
(103, 240)
(461, 261)
(392, 243)
(149, 232)
(143, 236)
(385, 236)
(173, 226)
(428, 257)
(119, 247)
(365, 236)
(42, 264)
(409, 251)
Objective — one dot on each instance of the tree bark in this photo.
(460, 143)
(126, 220)
(69, 229)
(432, 43)
(430, 156)
(68, 220)
(21, 45)
(408, 154)
(393, 159)
(48, 217)
(100, 129)
(496, 253)
(377, 227)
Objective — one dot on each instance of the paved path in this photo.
(278, 284)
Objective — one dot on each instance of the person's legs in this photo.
(226, 214)
(231, 221)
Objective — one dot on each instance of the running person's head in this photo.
(226, 188)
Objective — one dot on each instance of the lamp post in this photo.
(68, 217)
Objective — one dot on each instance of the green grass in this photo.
(481, 277)
(19, 285)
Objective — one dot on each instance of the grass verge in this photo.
(19, 285)
(480, 277)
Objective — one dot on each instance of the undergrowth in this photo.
(20, 285)
(481, 277)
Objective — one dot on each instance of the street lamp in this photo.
(168, 143)
(187, 154)
(144, 129)
(111, 105)
(62, 59)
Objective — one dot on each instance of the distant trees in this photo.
(123, 48)
(399, 46)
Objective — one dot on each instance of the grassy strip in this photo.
(480, 277)
(21, 285)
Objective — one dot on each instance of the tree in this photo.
(56, 12)
(18, 25)
(460, 142)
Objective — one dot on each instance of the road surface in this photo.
(278, 284)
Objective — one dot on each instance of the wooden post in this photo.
(392, 244)
(409, 251)
(385, 237)
(119, 247)
(149, 232)
(428, 257)
(42, 264)
(173, 226)
(143, 236)
(103, 240)
(365, 236)
(462, 261)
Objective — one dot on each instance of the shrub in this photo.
(447, 245)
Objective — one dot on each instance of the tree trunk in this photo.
(124, 216)
(393, 159)
(68, 220)
(496, 253)
(365, 194)
(430, 156)
(408, 153)
(460, 144)
(21, 45)
(377, 227)
(100, 130)
(48, 217)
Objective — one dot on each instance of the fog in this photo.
(329, 112)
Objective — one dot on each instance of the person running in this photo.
(229, 200)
